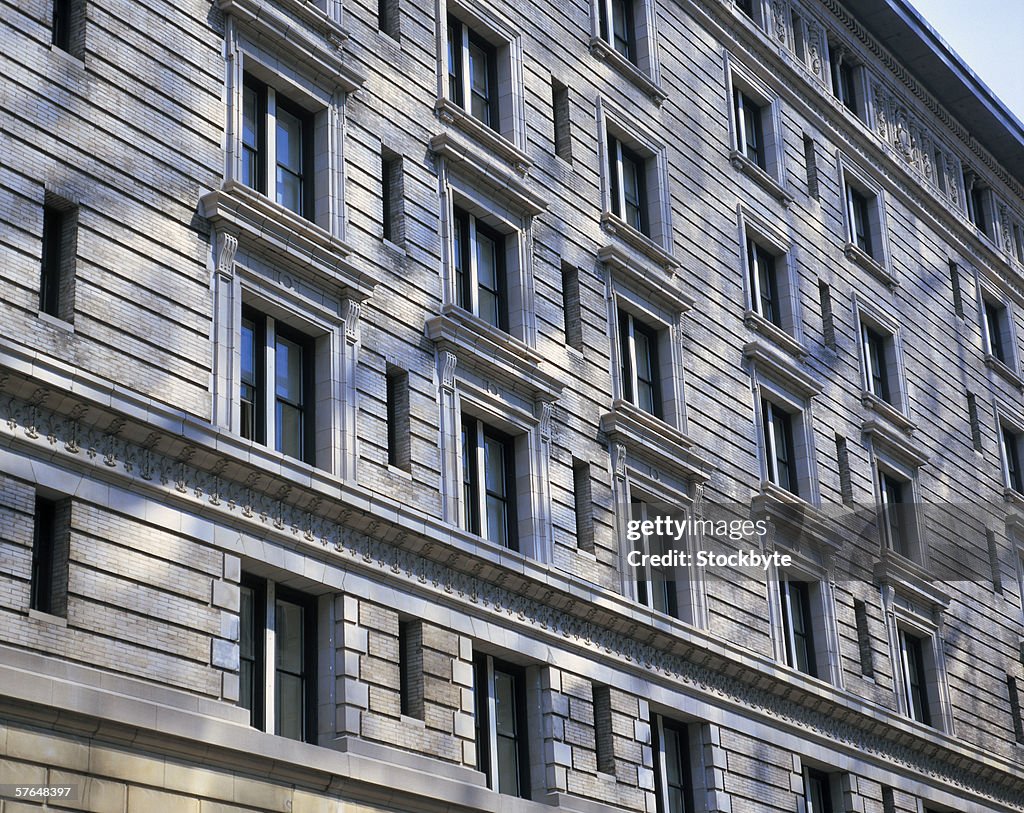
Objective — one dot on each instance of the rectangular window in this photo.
(940, 171)
(283, 417)
(1018, 242)
(860, 220)
(287, 658)
(489, 483)
(746, 6)
(997, 330)
(798, 634)
(388, 17)
(266, 113)
(561, 118)
(58, 258)
(817, 791)
(479, 260)
(895, 500)
(502, 751)
(399, 433)
(977, 195)
(410, 668)
(764, 283)
(844, 79)
(779, 449)
(51, 537)
(878, 351)
(618, 26)
(1013, 690)
(1011, 442)
(628, 185)
(473, 73)
(749, 128)
(392, 189)
(672, 781)
(638, 348)
(583, 504)
(915, 686)
(67, 26)
(655, 587)
(572, 313)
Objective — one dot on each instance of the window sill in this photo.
(647, 436)
(397, 471)
(1001, 369)
(885, 410)
(303, 32)
(48, 618)
(603, 51)
(494, 353)
(870, 264)
(53, 321)
(781, 368)
(265, 227)
(505, 184)
(450, 113)
(615, 225)
(760, 177)
(644, 280)
(755, 321)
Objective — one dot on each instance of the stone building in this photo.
(341, 343)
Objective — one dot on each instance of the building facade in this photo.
(346, 348)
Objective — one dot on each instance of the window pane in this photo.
(250, 136)
(288, 636)
(289, 430)
(622, 25)
(455, 62)
(479, 70)
(288, 363)
(290, 711)
(289, 160)
(247, 396)
(494, 465)
(497, 521)
(631, 189)
(506, 729)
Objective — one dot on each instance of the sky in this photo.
(989, 37)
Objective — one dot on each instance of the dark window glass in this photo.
(293, 362)
(43, 560)
(639, 354)
(876, 347)
(294, 174)
(252, 363)
(488, 478)
(796, 625)
(817, 791)
(61, 24)
(500, 720)
(254, 131)
(628, 185)
(779, 448)
(914, 676)
(623, 36)
(893, 512)
(749, 128)
(655, 587)
(673, 783)
(764, 285)
(995, 319)
(860, 224)
(1011, 449)
(252, 627)
(52, 260)
(473, 73)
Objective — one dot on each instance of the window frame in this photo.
(685, 764)
(860, 191)
(58, 259)
(872, 322)
(756, 232)
(467, 229)
(744, 85)
(487, 740)
(641, 67)
(1002, 354)
(847, 80)
(477, 489)
(799, 409)
(827, 790)
(908, 539)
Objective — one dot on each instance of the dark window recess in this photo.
(888, 800)
(860, 223)
(780, 456)
(876, 352)
(57, 261)
(67, 23)
(828, 325)
(817, 791)
(1013, 690)
(473, 73)
(867, 663)
(410, 666)
(993, 560)
(972, 416)
(604, 738)
(502, 751)
(672, 778)
(479, 260)
(562, 120)
(618, 26)
(392, 187)
(954, 281)
(51, 542)
(996, 329)
(811, 165)
(843, 462)
(388, 17)
(749, 128)
(895, 515)
(628, 185)
(583, 502)
(764, 283)
(572, 312)
(252, 658)
(399, 431)
(746, 6)
(796, 625)
(915, 678)
(639, 351)
(489, 483)
(1011, 452)
(295, 665)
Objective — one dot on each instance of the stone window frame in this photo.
(885, 462)
(989, 215)
(862, 107)
(753, 227)
(1009, 419)
(772, 177)
(282, 65)
(508, 139)
(697, 751)
(833, 787)
(330, 322)
(897, 409)
(878, 261)
(1009, 368)
(644, 71)
(657, 246)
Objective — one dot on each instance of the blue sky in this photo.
(989, 36)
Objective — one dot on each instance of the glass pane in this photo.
(250, 136)
(494, 465)
(247, 631)
(479, 68)
(289, 190)
(289, 429)
(288, 364)
(288, 636)
(505, 703)
(455, 63)
(486, 261)
(289, 141)
(488, 302)
(248, 351)
(497, 524)
(672, 765)
(245, 688)
(290, 712)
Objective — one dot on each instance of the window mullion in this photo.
(787, 608)
(755, 277)
(269, 660)
(741, 123)
(771, 450)
(662, 789)
(622, 188)
(270, 377)
(473, 269)
(270, 160)
(492, 726)
(634, 376)
(481, 477)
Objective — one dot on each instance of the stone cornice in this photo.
(114, 436)
(651, 438)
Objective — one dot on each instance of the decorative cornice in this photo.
(481, 135)
(603, 51)
(781, 368)
(644, 436)
(653, 282)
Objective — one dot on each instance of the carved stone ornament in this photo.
(448, 363)
(227, 246)
(350, 310)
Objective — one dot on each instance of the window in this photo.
(860, 220)
(798, 634)
(473, 73)
(896, 507)
(845, 84)
(864, 213)
(764, 283)
(640, 371)
(1018, 242)
(388, 17)
(628, 185)
(489, 483)
(277, 147)
(1016, 718)
(912, 668)
(878, 349)
(502, 749)
(399, 433)
(998, 331)
(561, 118)
(817, 791)
(479, 261)
(618, 26)
(749, 129)
(51, 538)
(277, 672)
(280, 416)
(672, 774)
(1011, 448)
(57, 263)
(978, 200)
(392, 193)
(68, 26)
(779, 448)
(746, 6)
(653, 587)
